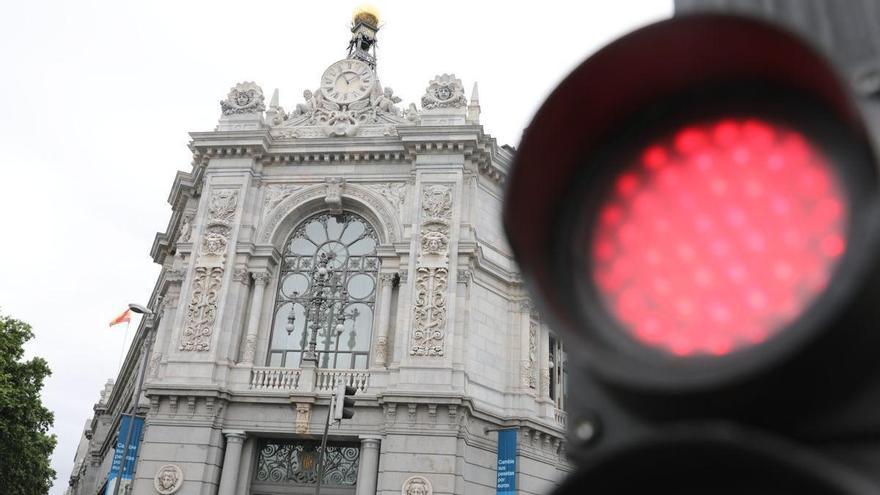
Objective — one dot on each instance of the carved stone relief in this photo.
(168, 479)
(333, 197)
(275, 193)
(529, 378)
(201, 312)
(445, 91)
(432, 273)
(184, 231)
(393, 192)
(417, 485)
(303, 414)
(243, 98)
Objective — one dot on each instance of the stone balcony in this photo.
(317, 380)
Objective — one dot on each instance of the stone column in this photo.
(261, 278)
(368, 465)
(386, 281)
(231, 462)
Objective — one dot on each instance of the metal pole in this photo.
(323, 447)
(133, 410)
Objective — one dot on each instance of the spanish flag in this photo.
(125, 317)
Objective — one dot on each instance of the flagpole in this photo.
(124, 339)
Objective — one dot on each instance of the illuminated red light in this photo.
(719, 237)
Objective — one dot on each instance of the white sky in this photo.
(99, 97)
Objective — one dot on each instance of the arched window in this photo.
(347, 245)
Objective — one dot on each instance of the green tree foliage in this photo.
(25, 445)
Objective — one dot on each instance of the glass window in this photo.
(348, 244)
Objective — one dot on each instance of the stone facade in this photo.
(455, 349)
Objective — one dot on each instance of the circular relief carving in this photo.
(417, 485)
(168, 480)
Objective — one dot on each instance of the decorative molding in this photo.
(393, 192)
(172, 403)
(261, 277)
(168, 479)
(274, 194)
(201, 313)
(432, 273)
(417, 485)
(444, 91)
(333, 195)
(241, 276)
(243, 98)
(303, 415)
(545, 382)
(153, 368)
(529, 378)
(290, 204)
(429, 313)
(380, 350)
(411, 410)
(391, 410)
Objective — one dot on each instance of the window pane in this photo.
(275, 359)
(360, 362)
(292, 360)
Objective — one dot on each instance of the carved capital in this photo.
(260, 276)
(387, 279)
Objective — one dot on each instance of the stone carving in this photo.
(169, 479)
(153, 368)
(201, 311)
(412, 114)
(303, 414)
(380, 350)
(333, 197)
(275, 193)
(432, 273)
(308, 105)
(241, 276)
(184, 232)
(545, 382)
(243, 98)
(528, 365)
(430, 311)
(417, 485)
(445, 91)
(394, 192)
(437, 202)
(384, 102)
(435, 238)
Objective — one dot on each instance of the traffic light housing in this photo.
(343, 402)
(695, 209)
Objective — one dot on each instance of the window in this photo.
(347, 244)
(558, 373)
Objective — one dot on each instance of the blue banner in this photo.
(131, 455)
(506, 470)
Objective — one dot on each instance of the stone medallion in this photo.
(168, 480)
(417, 485)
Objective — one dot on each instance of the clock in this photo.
(347, 81)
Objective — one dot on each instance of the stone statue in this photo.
(412, 114)
(386, 100)
(308, 106)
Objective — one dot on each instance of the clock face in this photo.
(347, 81)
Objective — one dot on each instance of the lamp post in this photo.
(143, 310)
(320, 299)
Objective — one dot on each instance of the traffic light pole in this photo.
(323, 447)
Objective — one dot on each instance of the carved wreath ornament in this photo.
(245, 97)
(444, 91)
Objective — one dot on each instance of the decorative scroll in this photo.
(296, 463)
(430, 311)
(201, 312)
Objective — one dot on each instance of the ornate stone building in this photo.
(349, 240)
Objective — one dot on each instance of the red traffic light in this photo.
(717, 236)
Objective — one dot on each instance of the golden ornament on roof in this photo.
(367, 14)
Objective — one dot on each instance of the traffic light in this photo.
(343, 402)
(695, 209)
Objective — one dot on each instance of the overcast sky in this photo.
(98, 98)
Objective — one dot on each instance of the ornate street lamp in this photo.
(319, 299)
